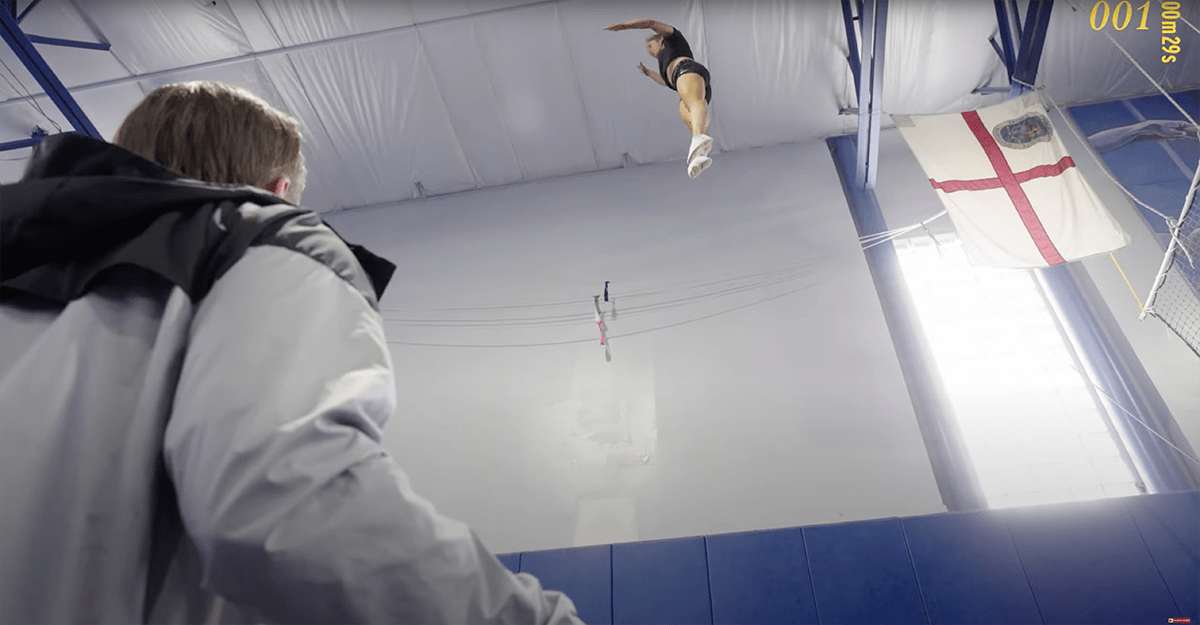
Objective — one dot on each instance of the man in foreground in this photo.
(194, 382)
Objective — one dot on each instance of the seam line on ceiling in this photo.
(587, 118)
(287, 49)
(496, 104)
(462, 150)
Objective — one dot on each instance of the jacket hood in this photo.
(81, 198)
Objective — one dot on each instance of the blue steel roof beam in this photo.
(10, 7)
(10, 31)
(1033, 39)
(34, 138)
(956, 477)
(18, 144)
(870, 110)
(851, 45)
(69, 43)
(29, 8)
(1016, 14)
(867, 23)
(1010, 61)
(881, 10)
(996, 47)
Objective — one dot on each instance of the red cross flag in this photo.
(1014, 195)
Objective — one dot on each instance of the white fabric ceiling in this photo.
(464, 94)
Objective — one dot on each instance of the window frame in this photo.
(1092, 331)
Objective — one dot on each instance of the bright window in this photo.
(1031, 420)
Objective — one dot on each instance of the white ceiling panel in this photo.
(18, 120)
(771, 82)
(304, 21)
(326, 188)
(938, 74)
(606, 106)
(259, 31)
(107, 107)
(425, 11)
(1080, 64)
(464, 94)
(377, 100)
(165, 34)
(465, 83)
(537, 91)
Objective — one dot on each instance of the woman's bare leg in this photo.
(691, 98)
(685, 116)
(694, 111)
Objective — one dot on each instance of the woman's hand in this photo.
(621, 26)
(643, 69)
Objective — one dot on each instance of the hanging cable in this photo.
(1130, 414)
(568, 319)
(1127, 283)
(615, 336)
(1103, 168)
(1075, 6)
(1184, 20)
(28, 94)
(895, 234)
(905, 229)
(1154, 82)
(633, 295)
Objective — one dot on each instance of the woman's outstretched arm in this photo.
(655, 25)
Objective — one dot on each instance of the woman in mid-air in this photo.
(677, 70)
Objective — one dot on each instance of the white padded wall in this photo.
(731, 406)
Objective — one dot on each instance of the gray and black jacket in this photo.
(193, 385)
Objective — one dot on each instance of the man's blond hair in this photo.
(216, 132)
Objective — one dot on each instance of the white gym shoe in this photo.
(697, 165)
(701, 146)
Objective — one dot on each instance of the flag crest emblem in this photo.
(1024, 132)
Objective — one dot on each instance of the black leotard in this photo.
(673, 47)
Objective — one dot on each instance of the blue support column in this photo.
(866, 20)
(1006, 41)
(870, 90)
(23, 48)
(876, 110)
(852, 45)
(956, 478)
(1033, 37)
(1016, 14)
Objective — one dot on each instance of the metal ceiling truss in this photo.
(1020, 61)
(22, 46)
(866, 64)
(867, 68)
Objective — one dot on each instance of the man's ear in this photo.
(280, 186)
